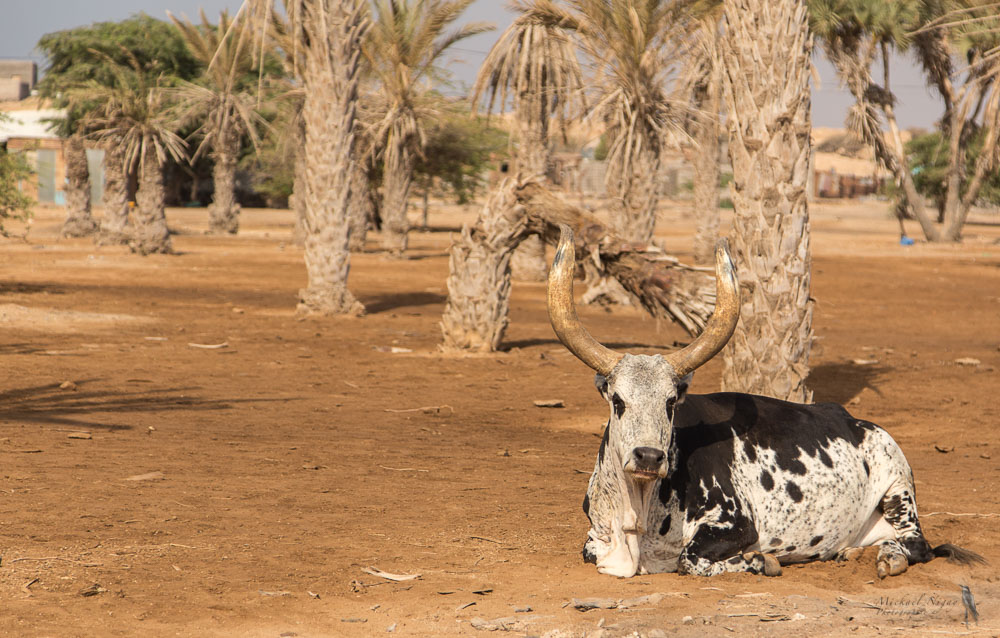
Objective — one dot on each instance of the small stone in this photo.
(967, 361)
(687, 620)
(549, 403)
(79, 435)
(67, 385)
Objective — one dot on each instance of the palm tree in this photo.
(225, 102)
(79, 222)
(405, 43)
(766, 69)
(634, 46)
(704, 85)
(135, 114)
(533, 65)
(323, 45)
(116, 229)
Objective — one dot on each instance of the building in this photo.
(17, 79)
(26, 128)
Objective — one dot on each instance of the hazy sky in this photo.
(25, 21)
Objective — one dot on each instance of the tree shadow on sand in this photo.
(841, 382)
(395, 301)
(53, 405)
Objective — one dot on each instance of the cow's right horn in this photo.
(562, 312)
(722, 322)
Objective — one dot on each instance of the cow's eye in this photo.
(618, 405)
(671, 404)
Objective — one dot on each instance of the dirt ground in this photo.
(242, 490)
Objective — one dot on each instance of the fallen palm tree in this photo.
(475, 315)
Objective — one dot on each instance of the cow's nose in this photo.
(648, 459)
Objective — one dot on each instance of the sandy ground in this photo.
(242, 490)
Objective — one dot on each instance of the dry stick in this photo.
(68, 560)
(402, 469)
(26, 587)
(426, 407)
(483, 538)
(960, 514)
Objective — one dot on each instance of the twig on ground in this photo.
(436, 408)
(960, 514)
(210, 346)
(483, 538)
(389, 576)
(26, 588)
(402, 469)
(68, 560)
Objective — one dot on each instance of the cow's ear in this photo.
(601, 383)
(682, 386)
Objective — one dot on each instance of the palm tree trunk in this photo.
(360, 213)
(298, 199)
(528, 262)
(475, 315)
(706, 175)
(398, 177)
(637, 193)
(79, 222)
(224, 213)
(330, 76)
(151, 234)
(115, 226)
(766, 57)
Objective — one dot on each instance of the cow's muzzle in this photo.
(646, 463)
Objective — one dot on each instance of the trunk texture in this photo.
(151, 234)
(475, 315)
(79, 222)
(115, 227)
(479, 279)
(298, 199)
(766, 55)
(331, 69)
(224, 213)
(398, 177)
(528, 262)
(637, 194)
(361, 213)
(706, 175)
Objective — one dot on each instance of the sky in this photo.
(25, 21)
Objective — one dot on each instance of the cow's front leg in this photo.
(716, 549)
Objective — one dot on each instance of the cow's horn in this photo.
(722, 322)
(562, 312)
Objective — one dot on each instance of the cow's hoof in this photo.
(771, 565)
(892, 565)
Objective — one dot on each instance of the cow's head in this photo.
(642, 391)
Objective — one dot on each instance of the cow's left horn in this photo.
(722, 322)
(562, 312)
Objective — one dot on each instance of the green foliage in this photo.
(928, 155)
(89, 55)
(458, 151)
(601, 152)
(13, 203)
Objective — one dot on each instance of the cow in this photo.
(731, 482)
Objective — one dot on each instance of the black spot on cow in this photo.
(589, 556)
(665, 526)
(868, 471)
(791, 464)
(775, 542)
(750, 451)
(766, 481)
(604, 443)
(586, 505)
(794, 491)
(790, 548)
(825, 458)
(815, 541)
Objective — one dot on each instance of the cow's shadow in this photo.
(841, 382)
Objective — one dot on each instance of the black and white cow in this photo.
(728, 482)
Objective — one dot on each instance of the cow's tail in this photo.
(958, 555)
